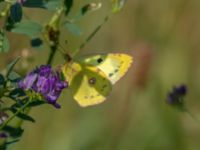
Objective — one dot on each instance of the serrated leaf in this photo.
(13, 132)
(34, 3)
(117, 5)
(11, 66)
(16, 12)
(68, 5)
(29, 28)
(4, 43)
(74, 29)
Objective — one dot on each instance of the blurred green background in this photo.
(163, 36)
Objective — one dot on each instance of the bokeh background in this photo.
(163, 36)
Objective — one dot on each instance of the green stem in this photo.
(53, 33)
(52, 55)
(15, 114)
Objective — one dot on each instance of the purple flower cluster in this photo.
(45, 81)
(176, 96)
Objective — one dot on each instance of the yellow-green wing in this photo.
(70, 70)
(114, 66)
(89, 85)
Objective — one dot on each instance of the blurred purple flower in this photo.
(45, 81)
(3, 135)
(176, 96)
(21, 1)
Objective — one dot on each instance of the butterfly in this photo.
(91, 78)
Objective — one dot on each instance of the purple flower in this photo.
(176, 96)
(45, 81)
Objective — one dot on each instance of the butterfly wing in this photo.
(70, 70)
(114, 66)
(89, 85)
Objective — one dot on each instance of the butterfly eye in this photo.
(92, 81)
(99, 60)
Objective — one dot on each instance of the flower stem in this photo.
(15, 114)
(52, 55)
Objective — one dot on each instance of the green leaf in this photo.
(11, 66)
(68, 5)
(36, 103)
(86, 9)
(53, 4)
(3, 146)
(16, 12)
(25, 117)
(2, 80)
(13, 132)
(22, 115)
(73, 28)
(29, 28)
(117, 5)
(34, 3)
(13, 76)
(16, 93)
(36, 42)
(9, 24)
(12, 142)
(4, 43)
(19, 103)
(90, 7)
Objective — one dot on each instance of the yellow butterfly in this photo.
(91, 78)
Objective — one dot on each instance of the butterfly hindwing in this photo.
(113, 65)
(89, 85)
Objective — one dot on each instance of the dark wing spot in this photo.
(116, 70)
(92, 81)
(110, 74)
(99, 60)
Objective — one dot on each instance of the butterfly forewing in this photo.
(113, 65)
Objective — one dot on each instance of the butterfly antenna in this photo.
(61, 49)
(88, 39)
